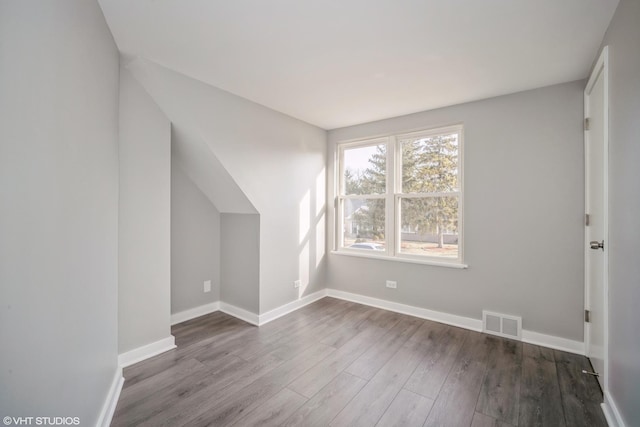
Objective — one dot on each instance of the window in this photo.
(401, 196)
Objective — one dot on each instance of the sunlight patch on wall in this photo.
(303, 269)
(320, 192)
(320, 247)
(305, 213)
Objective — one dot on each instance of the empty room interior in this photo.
(332, 213)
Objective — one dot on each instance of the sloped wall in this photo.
(279, 164)
(190, 152)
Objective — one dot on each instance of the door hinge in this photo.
(586, 123)
(587, 316)
(587, 219)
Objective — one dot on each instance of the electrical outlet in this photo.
(296, 283)
(391, 284)
(207, 285)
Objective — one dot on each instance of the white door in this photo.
(596, 251)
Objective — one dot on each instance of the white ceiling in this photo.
(335, 63)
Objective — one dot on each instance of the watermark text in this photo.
(41, 421)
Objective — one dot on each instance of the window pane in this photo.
(429, 226)
(430, 164)
(365, 170)
(364, 224)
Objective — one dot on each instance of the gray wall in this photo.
(523, 159)
(195, 244)
(58, 209)
(144, 247)
(623, 38)
(277, 161)
(240, 260)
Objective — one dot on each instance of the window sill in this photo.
(400, 259)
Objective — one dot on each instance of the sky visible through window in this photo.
(357, 160)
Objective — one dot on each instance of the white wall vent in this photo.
(503, 325)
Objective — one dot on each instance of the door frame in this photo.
(601, 67)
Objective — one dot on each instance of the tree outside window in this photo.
(422, 195)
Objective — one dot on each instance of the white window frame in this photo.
(340, 197)
(393, 196)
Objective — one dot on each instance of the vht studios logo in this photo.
(41, 421)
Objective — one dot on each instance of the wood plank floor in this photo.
(337, 363)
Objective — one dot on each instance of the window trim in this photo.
(394, 195)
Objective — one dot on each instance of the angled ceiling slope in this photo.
(336, 63)
(191, 152)
(198, 162)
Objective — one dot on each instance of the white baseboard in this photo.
(146, 351)
(183, 316)
(290, 307)
(611, 412)
(109, 406)
(240, 313)
(530, 337)
(551, 341)
(245, 315)
(423, 313)
(459, 321)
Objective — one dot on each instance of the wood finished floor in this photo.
(339, 363)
